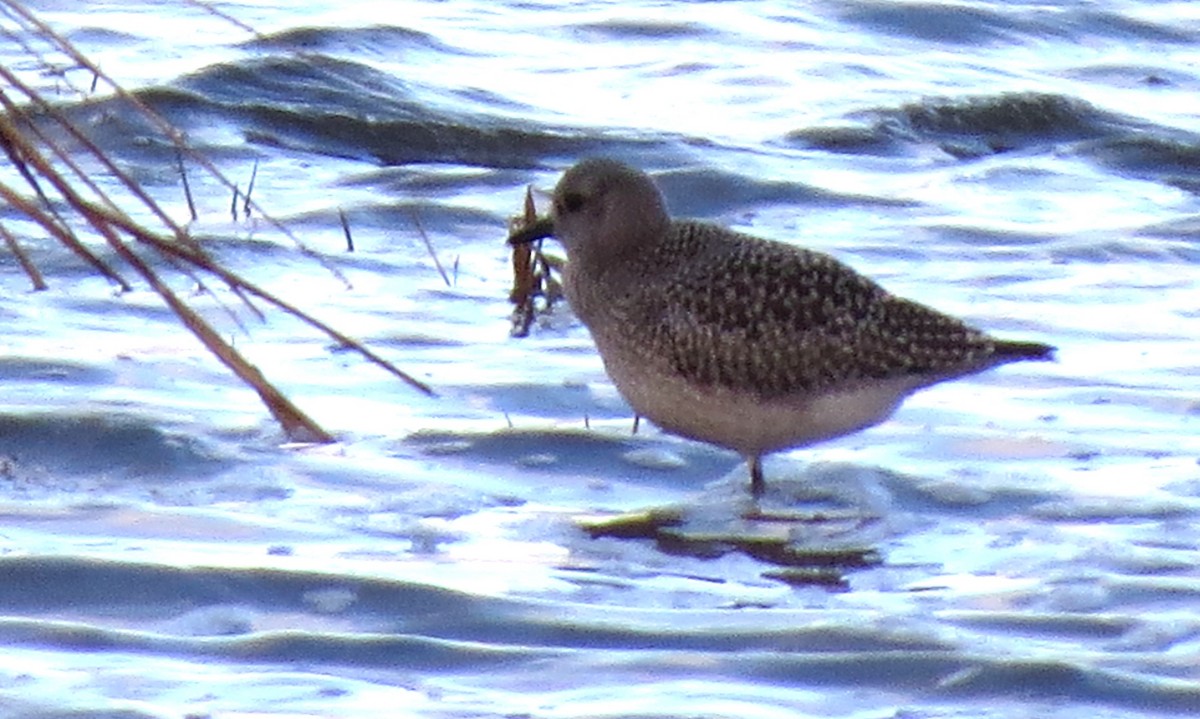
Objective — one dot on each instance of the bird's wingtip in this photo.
(1018, 350)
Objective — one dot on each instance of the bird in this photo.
(750, 344)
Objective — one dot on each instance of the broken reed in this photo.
(64, 200)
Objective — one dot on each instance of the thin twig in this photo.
(46, 168)
(10, 141)
(27, 149)
(35, 276)
(63, 234)
(120, 231)
(298, 426)
(20, 39)
(224, 16)
(429, 246)
(249, 189)
(187, 252)
(187, 189)
(167, 129)
(234, 280)
(53, 112)
(346, 230)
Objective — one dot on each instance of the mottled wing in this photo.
(776, 320)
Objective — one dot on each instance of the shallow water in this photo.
(1030, 534)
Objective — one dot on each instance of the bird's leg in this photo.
(757, 484)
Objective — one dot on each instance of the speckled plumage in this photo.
(746, 343)
(772, 319)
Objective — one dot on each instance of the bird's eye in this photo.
(571, 202)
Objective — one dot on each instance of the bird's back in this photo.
(726, 310)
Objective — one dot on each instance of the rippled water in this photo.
(1028, 538)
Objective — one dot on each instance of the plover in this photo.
(750, 344)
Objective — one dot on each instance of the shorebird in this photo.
(749, 344)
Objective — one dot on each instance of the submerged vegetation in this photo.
(533, 273)
(55, 188)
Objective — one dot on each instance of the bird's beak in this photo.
(541, 228)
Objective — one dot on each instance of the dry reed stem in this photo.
(94, 151)
(298, 426)
(234, 280)
(106, 218)
(62, 233)
(30, 269)
(162, 125)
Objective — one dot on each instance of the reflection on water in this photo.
(1022, 543)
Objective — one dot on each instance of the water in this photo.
(1030, 534)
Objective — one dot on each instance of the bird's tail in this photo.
(1012, 350)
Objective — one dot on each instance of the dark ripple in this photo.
(384, 40)
(407, 181)
(332, 107)
(1172, 161)
(43, 585)
(1170, 246)
(1176, 239)
(399, 626)
(20, 369)
(822, 641)
(442, 219)
(1137, 76)
(104, 446)
(986, 238)
(101, 36)
(962, 25)
(407, 614)
(1162, 593)
(643, 30)
(1055, 626)
(848, 140)
(910, 670)
(928, 22)
(1020, 114)
(980, 126)
(971, 127)
(1082, 22)
(386, 651)
(1061, 681)
(412, 624)
(706, 192)
(326, 106)
(153, 595)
